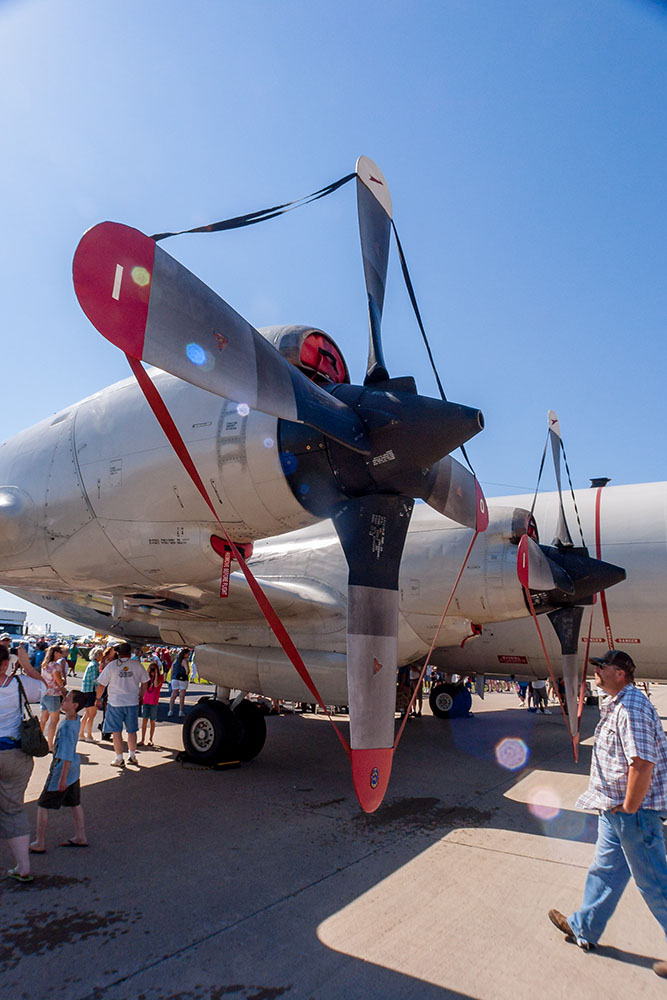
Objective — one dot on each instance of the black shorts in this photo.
(90, 699)
(54, 800)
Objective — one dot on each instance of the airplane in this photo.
(263, 452)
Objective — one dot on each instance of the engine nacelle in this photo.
(489, 589)
(311, 350)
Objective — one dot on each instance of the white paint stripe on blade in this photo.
(118, 277)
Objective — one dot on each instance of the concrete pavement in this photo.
(266, 881)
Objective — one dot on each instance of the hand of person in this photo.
(62, 784)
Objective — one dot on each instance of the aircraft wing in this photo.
(301, 601)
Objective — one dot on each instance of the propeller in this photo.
(562, 578)
(359, 454)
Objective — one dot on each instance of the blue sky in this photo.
(524, 145)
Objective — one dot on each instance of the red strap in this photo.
(598, 550)
(167, 424)
(435, 639)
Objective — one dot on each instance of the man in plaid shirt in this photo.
(628, 787)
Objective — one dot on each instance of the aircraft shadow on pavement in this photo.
(202, 884)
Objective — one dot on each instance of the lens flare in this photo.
(512, 753)
(268, 442)
(544, 803)
(569, 825)
(140, 276)
(196, 354)
(243, 409)
(289, 462)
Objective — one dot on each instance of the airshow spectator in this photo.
(53, 673)
(150, 703)
(40, 653)
(125, 680)
(72, 657)
(194, 675)
(165, 659)
(62, 786)
(540, 695)
(15, 765)
(521, 689)
(179, 682)
(415, 674)
(628, 790)
(88, 687)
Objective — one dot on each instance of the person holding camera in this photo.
(15, 765)
(54, 673)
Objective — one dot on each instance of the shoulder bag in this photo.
(32, 738)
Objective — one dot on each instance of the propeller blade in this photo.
(372, 531)
(567, 623)
(157, 311)
(562, 536)
(455, 492)
(374, 210)
(537, 572)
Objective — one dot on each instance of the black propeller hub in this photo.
(408, 433)
(588, 576)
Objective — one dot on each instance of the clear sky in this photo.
(524, 145)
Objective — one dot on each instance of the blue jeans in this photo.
(627, 844)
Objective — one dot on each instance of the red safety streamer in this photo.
(157, 405)
(598, 551)
(435, 639)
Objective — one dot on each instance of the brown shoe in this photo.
(559, 921)
(660, 969)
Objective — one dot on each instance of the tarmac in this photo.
(267, 881)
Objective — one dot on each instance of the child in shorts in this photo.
(151, 701)
(62, 785)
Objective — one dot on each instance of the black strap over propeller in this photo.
(563, 578)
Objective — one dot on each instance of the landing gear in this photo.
(450, 701)
(214, 734)
(253, 723)
(211, 733)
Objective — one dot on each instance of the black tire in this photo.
(211, 733)
(450, 701)
(253, 722)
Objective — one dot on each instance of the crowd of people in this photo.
(115, 681)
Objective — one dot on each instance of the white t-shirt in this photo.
(10, 711)
(122, 679)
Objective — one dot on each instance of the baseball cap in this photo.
(615, 658)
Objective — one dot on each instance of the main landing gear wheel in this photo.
(450, 701)
(212, 734)
(253, 723)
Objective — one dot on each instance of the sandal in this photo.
(15, 874)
